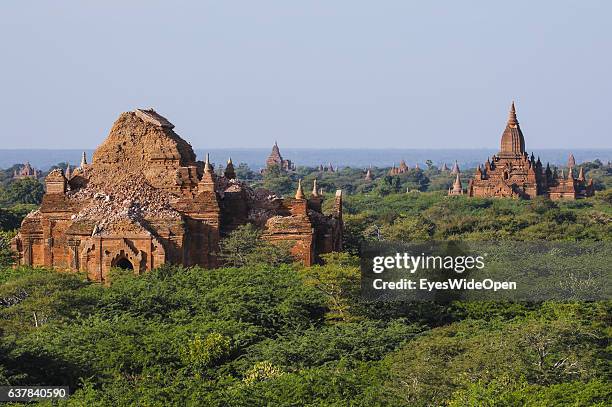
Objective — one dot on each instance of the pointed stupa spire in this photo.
(581, 175)
(512, 120)
(299, 194)
(512, 141)
(207, 167)
(68, 174)
(571, 161)
(562, 173)
(570, 174)
(455, 169)
(83, 160)
(229, 172)
(457, 187)
(315, 191)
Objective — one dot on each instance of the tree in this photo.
(338, 280)
(243, 172)
(278, 181)
(7, 256)
(245, 246)
(23, 191)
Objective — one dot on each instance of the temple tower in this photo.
(512, 141)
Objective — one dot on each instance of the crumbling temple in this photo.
(144, 201)
(513, 173)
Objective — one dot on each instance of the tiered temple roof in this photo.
(513, 173)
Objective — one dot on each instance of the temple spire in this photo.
(299, 194)
(456, 169)
(512, 120)
(207, 167)
(229, 172)
(581, 175)
(315, 191)
(512, 140)
(457, 184)
(83, 160)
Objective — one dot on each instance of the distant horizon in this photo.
(311, 157)
(325, 148)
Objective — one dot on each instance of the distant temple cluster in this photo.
(513, 173)
(328, 168)
(26, 171)
(145, 201)
(402, 169)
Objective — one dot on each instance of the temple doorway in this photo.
(124, 264)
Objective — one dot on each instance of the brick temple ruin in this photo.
(145, 201)
(513, 173)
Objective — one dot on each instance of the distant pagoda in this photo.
(26, 171)
(513, 173)
(275, 159)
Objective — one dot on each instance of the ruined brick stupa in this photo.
(145, 201)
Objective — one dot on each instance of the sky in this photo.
(315, 74)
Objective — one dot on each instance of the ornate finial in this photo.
(229, 160)
(299, 194)
(315, 191)
(512, 120)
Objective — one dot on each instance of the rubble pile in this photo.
(119, 199)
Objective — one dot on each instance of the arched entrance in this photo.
(124, 264)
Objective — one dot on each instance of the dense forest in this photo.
(266, 331)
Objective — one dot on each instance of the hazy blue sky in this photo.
(410, 74)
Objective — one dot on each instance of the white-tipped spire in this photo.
(315, 191)
(83, 160)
